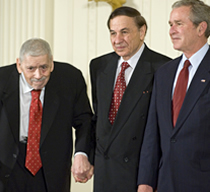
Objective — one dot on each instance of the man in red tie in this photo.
(40, 102)
(175, 155)
(121, 88)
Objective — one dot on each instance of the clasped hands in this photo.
(81, 169)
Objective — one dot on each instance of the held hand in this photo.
(85, 179)
(81, 169)
(145, 188)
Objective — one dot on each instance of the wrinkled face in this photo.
(125, 37)
(36, 70)
(183, 33)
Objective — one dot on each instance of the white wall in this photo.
(76, 31)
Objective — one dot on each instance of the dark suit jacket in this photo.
(118, 146)
(178, 158)
(65, 105)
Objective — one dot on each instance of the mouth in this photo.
(119, 47)
(175, 38)
(34, 80)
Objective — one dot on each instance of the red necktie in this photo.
(33, 160)
(119, 90)
(180, 91)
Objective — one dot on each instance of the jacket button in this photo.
(7, 175)
(106, 156)
(142, 116)
(134, 138)
(126, 159)
(173, 140)
(15, 156)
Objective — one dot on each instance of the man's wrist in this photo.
(80, 153)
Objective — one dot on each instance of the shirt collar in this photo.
(24, 84)
(196, 58)
(134, 59)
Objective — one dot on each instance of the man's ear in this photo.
(202, 28)
(52, 64)
(142, 32)
(18, 65)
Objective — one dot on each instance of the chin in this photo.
(120, 52)
(38, 86)
(176, 47)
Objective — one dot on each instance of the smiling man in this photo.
(36, 69)
(121, 88)
(175, 155)
(40, 102)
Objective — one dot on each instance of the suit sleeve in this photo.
(82, 117)
(94, 105)
(150, 152)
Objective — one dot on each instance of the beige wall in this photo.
(77, 32)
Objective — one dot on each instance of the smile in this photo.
(38, 80)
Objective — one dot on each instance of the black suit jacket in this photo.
(118, 146)
(177, 159)
(65, 106)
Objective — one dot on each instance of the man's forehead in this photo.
(35, 61)
(36, 58)
(122, 23)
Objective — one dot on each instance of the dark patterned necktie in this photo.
(119, 90)
(33, 160)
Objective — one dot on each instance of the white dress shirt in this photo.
(132, 62)
(195, 61)
(25, 101)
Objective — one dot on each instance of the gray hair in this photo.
(35, 47)
(199, 12)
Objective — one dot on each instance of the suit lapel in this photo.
(195, 90)
(10, 100)
(51, 104)
(105, 85)
(141, 78)
(165, 89)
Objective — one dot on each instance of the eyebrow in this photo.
(120, 29)
(124, 29)
(176, 21)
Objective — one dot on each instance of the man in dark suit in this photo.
(64, 105)
(175, 154)
(118, 140)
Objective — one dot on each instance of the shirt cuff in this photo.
(80, 153)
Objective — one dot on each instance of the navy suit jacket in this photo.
(177, 159)
(65, 106)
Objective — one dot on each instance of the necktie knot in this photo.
(35, 94)
(124, 66)
(187, 64)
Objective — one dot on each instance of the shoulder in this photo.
(99, 64)
(105, 57)
(65, 73)
(65, 77)
(8, 75)
(6, 72)
(102, 60)
(64, 67)
(168, 67)
(65, 70)
(155, 56)
(7, 68)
